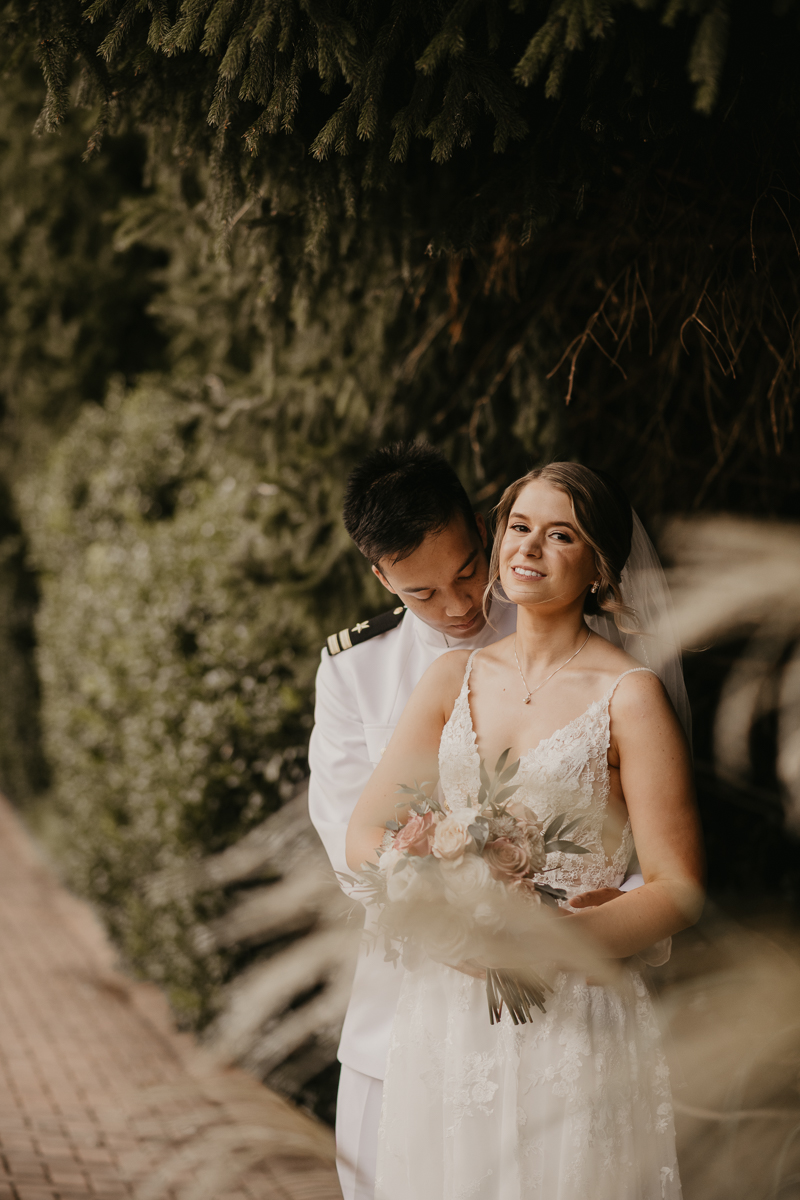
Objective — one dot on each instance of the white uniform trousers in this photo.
(358, 1113)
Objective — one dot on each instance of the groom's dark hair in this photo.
(398, 496)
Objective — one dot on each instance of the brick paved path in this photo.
(79, 1043)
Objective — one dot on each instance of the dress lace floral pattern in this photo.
(566, 772)
(576, 1105)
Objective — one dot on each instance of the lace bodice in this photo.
(565, 773)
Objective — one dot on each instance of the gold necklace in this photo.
(527, 699)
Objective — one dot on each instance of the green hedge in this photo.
(176, 654)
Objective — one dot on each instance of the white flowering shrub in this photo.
(177, 645)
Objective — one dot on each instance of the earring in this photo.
(595, 587)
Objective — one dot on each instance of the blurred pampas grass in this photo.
(231, 1137)
(280, 1018)
(730, 1002)
(740, 579)
(731, 995)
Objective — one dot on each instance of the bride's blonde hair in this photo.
(604, 519)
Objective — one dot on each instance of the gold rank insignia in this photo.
(364, 630)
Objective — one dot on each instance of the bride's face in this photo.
(543, 560)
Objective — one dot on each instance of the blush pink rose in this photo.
(531, 829)
(523, 814)
(527, 889)
(506, 860)
(416, 835)
(451, 840)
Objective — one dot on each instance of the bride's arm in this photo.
(412, 755)
(656, 779)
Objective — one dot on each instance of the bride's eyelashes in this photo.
(554, 533)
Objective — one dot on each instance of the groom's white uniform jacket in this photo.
(361, 694)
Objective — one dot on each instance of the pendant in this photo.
(527, 699)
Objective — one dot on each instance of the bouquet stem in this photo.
(517, 990)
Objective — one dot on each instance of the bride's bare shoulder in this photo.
(448, 668)
(611, 658)
(611, 663)
(445, 672)
(442, 681)
(634, 684)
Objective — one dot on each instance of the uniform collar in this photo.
(504, 618)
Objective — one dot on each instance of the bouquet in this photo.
(447, 881)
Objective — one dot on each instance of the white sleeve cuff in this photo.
(657, 954)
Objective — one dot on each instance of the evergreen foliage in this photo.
(552, 86)
(73, 314)
(616, 180)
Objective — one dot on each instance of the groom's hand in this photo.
(595, 898)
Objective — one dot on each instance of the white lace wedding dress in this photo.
(575, 1105)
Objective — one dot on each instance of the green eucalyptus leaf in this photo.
(547, 889)
(480, 835)
(509, 772)
(505, 795)
(501, 762)
(554, 826)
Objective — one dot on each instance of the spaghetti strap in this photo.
(463, 695)
(468, 669)
(631, 671)
(462, 699)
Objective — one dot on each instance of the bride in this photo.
(575, 1105)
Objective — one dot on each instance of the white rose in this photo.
(451, 839)
(400, 881)
(472, 887)
(447, 936)
(465, 815)
(410, 884)
(468, 879)
(388, 861)
(489, 915)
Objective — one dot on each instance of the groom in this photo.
(409, 515)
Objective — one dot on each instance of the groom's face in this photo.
(443, 580)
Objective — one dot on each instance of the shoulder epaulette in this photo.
(364, 630)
